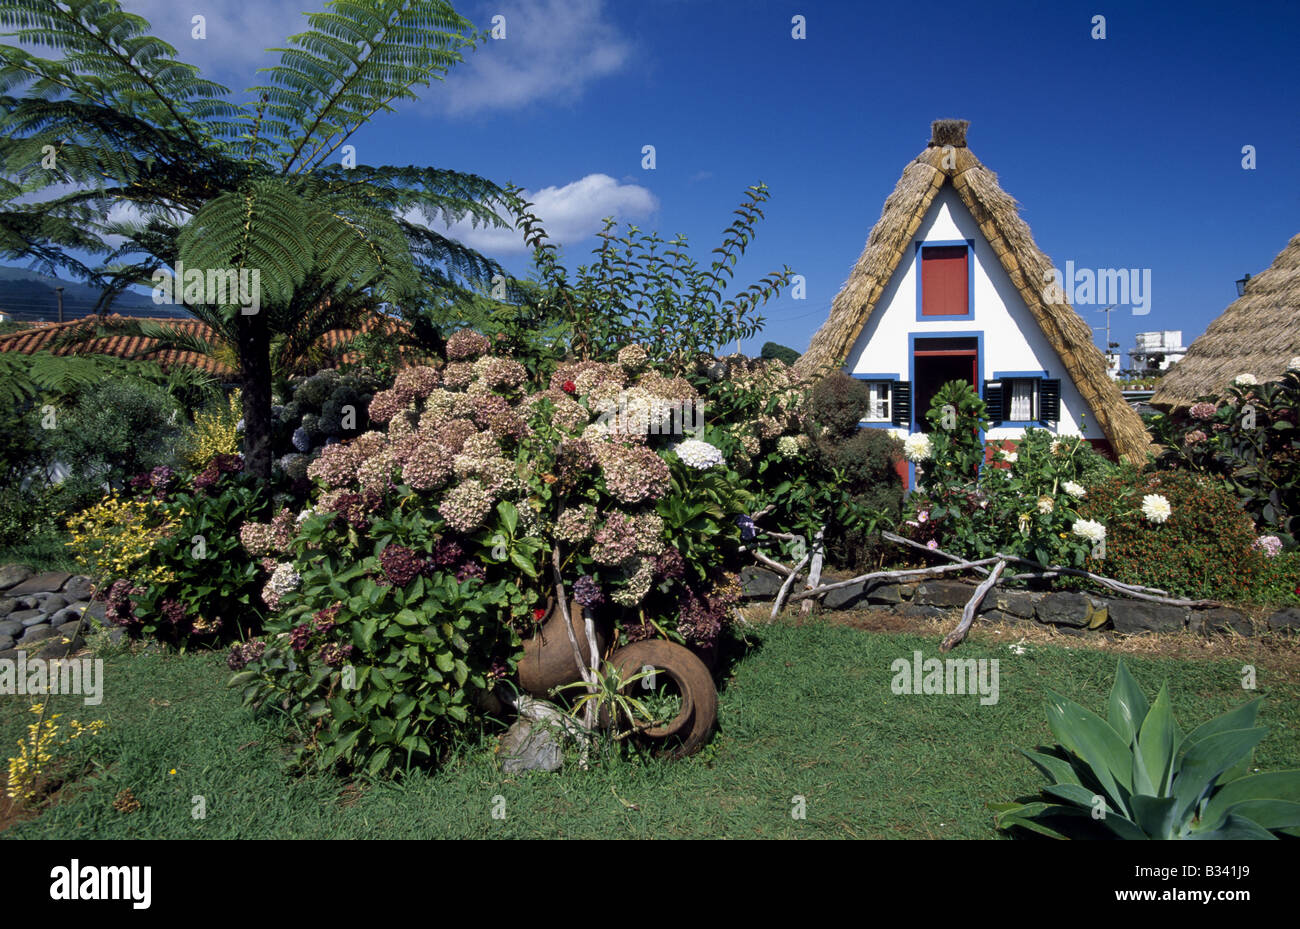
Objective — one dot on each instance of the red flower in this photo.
(570, 387)
(538, 614)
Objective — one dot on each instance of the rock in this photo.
(77, 588)
(1133, 616)
(12, 574)
(919, 611)
(943, 593)
(885, 594)
(1285, 621)
(1221, 619)
(40, 583)
(10, 655)
(68, 629)
(50, 603)
(1015, 602)
(759, 582)
(6, 642)
(37, 634)
(844, 598)
(7, 605)
(1001, 616)
(61, 647)
(1064, 608)
(97, 609)
(29, 617)
(10, 627)
(907, 591)
(529, 746)
(115, 635)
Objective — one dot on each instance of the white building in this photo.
(950, 287)
(1156, 351)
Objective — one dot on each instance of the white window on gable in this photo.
(1022, 398)
(879, 403)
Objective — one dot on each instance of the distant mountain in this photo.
(29, 296)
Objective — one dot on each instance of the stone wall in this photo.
(1071, 612)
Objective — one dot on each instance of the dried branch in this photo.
(785, 588)
(973, 604)
(896, 576)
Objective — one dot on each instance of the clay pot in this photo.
(548, 655)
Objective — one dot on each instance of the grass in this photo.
(45, 552)
(808, 712)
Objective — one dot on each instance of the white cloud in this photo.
(569, 214)
(239, 32)
(552, 50)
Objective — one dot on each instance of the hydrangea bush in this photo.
(425, 555)
(1247, 437)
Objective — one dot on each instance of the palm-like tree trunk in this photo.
(254, 344)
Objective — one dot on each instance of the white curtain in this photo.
(879, 405)
(1022, 400)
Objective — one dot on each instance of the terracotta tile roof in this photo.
(38, 338)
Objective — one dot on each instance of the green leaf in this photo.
(1155, 815)
(1089, 736)
(445, 661)
(1280, 786)
(509, 516)
(1209, 758)
(1127, 707)
(1155, 748)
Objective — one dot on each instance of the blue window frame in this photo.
(921, 246)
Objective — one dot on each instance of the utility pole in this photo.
(59, 292)
(1107, 311)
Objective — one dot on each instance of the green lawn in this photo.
(807, 712)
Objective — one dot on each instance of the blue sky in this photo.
(1124, 152)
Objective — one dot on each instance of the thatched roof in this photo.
(1257, 334)
(999, 220)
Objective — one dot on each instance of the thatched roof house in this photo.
(951, 285)
(1259, 333)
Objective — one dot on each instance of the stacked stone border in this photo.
(1070, 612)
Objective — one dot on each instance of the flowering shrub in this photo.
(214, 432)
(1204, 546)
(1026, 502)
(425, 555)
(39, 748)
(323, 409)
(1247, 438)
(167, 557)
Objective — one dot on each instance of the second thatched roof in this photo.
(1259, 333)
(947, 160)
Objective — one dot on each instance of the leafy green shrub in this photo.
(1248, 438)
(779, 352)
(1204, 548)
(167, 554)
(115, 429)
(1135, 775)
(836, 405)
(1026, 502)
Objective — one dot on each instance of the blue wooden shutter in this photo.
(901, 400)
(1049, 400)
(993, 400)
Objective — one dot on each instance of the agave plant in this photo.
(1135, 775)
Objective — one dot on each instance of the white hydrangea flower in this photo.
(1074, 489)
(787, 446)
(1010, 457)
(1293, 364)
(698, 454)
(1156, 508)
(1089, 529)
(1245, 380)
(1046, 504)
(917, 447)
